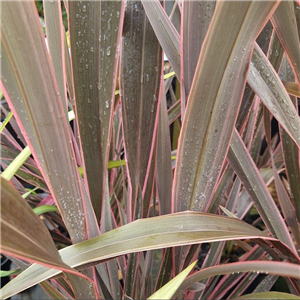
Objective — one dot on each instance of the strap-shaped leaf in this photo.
(163, 158)
(266, 83)
(94, 36)
(268, 295)
(269, 267)
(292, 88)
(248, 173)
(33, 96)
(285, 25)
(214, 100)
(140, 77)
(196, 19)
(56, 44)
(183, 228)
(165, 31)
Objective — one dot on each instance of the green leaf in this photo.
(7, 119)
(10, 272)
(111, 164)
(12, 169)
(44, 209)
(169, 289)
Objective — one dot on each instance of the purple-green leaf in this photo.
(165, 31)
(264, 267)
(33, 96)
(243, 165)
(214, 100)
(266, 83)
(185, 228)
(163, 158)
(31, 242)
(285, 25)
(94, 37)
(196, 19)
(140, 78)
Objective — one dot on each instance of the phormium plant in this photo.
(125, 177)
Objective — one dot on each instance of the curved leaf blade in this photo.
(268, 295)
(183, 228)
(269, 267)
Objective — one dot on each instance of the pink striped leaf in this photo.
(215, 99)
(242, 163)
(269, 267)
(140, 78)
(185, 228)
(94, 73)
(33, 96)
(285, 25)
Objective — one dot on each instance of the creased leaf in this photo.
(196, 19)
(163, 158)
(285, 25)
(56, 42)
